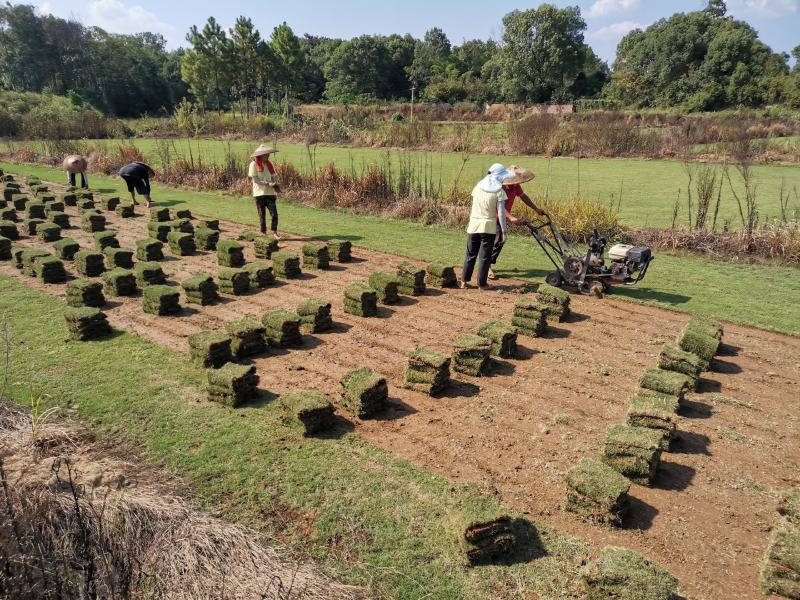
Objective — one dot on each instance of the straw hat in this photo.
(518, 175)
(262, 150)
(75, 163)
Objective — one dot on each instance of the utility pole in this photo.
(413, 87)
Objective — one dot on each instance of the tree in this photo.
(246, 53)
(716, 9)
(356, 70)
(291, 58)
(430, 57)
(24, 51)
(206, 66)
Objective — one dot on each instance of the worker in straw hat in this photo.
(74, 164)
(137, 176)
(265, 188)
(513, 190)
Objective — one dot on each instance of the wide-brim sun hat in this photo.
(75, 163)
(494, 180)
(518, 175)
(263, 150)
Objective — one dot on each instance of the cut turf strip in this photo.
(5, 248)
(247, 337)
(264, 246)
(633, 451)
(365, 393)
(312, 409)
(597, 492)
(471, 354)
(261, 274)
(105, 239)
(654, 410)
(427, 371)
(622, 574)
(503, 337)
(232, 384)
(92, 222)
(86, 324)
(201, 289)
(159, 230)
(159, 215)
(118, 258)
(49, 269)
(210, 349)
(119, 282)
(488, 541)
(89, 263)
(680, 361)
(180, 243)
(27, 258)
(206, 238)
(697, 341)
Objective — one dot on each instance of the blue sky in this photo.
(777, 21)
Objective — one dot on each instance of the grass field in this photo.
(762, 296)
(648, 188)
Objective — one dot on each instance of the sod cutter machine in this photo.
(589, 272)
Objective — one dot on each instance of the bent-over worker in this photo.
(137, 175)
(265, 188)
(74, 164)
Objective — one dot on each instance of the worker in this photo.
(74, 164)
(137, 175)
(487, 221)
(513, 189)
(265, 189)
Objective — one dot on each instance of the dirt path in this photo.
(515, 433)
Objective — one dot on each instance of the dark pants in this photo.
(264, 204)
(479, 247)
(84, 180)
(498, 247)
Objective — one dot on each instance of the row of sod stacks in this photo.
(597, 492)
(149, 249)
(149, 273)
(161, 300)
(85, 292)
(471, 354)
(206, 238)
(181, 225)
(365, 393)
(105, 239)
(181, 244)
(315, 314)
(158, 230)
(633, 451)
(780, 573)
(8, 230)
(315, 255)
(27, 258)
(264, 246)
(230, 253)
(440, 276)
(89, 264)
(201, 289)
(529, 317)
(125, 211)
(49, 232)
(623, 574)
(234, 281)
(261, 274)
(667, 382)
(311, 408)
(654, 410)
(701, 336)
(503, 337)
(360, 300)
(5, 248)
(412, 279)
(92, 222)
(286, 265)
(232, 384)
(488, 541)
(554, 301)
(680, 361)
(118, 258)
(159, 215)
(282, 328)
(210, 349)
(119, 282)
(59, 218)
(247, 337)
(427, 371)
(109, 202)
(86, 323)
(50, 269)
(35, 210)
(386, 287)
(29, 226)
(340, 250)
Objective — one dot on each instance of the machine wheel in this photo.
(554, 278)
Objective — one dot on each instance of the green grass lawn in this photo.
(762, 296)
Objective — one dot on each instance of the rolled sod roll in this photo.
(5, 248)
(210, 224)
(780, 573)
(365, 393)
(201, 289)
(230, 253)
(680, 361)
(427, 371)
(340, 250)
(210, 349)
(412, 279)
(484, 542)
(247, 337)
(264, 246)
(92, 222)
(89, 264)
(360, 300)
(159, 215)
(31, 226)
(28, 256)
(232, 384)
(623, 574)
(471, 354)
(261, 274)
(86, 323)
(183, 213)
(109, 202)
(286, 265)
(667, 382)
(48, 232)
(59, 218)
(49, 269)
(181, 225)
(633, 451)
(118, 257)
(66, 248)
(597, 492)
(158, 230)
(311, 408)
(149, 249)
(439, 275)
(698, 342)
(315, 255)
(125, 211)
(181, 244)
(503, 337)
(386, 287)
(119, 282)
(35, 210)
(655, 411)
(315, 314)
(206, 239)
(282, 328)
(85, 292)
(8, 214)
(161, 300)
(234, 281)
(8, 230)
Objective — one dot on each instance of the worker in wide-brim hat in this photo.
(137, 176)
(74, 164)
(265, 188)
(512, 187)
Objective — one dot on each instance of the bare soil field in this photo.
(515, 433)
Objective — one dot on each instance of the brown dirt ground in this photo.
(709, 514)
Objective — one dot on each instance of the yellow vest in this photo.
(483, 218)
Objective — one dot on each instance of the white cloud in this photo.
(615, 31)
(765, 9)
(45, 8)
(604, 8)
(116, 17)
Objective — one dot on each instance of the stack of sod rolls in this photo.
(201, 289)
(701, 336)
(210, 349)
(105, 239)
(471, 354)
(234, 281)
(232, 384)
(680, 361)
(181, 244)
(206, 238)
(633, 451)
(311, 408)
(49, 269)
(87, 205)
(49, 232)
(159, 230)
(412, 279)
(118, 257)
(654, 410)
(364, 392)
(340, 250)
(8, 230)
(125, 211)
(86, 323)
(597, 492)
(529, 318)
(159, 215)
(19, 201)
(360, 300)
(264, 246)
(181, 225)
(16, 255)
(490, 540)
(427, 371)
(8, 214)
(230, 253)
(91, 222)
(315, 255)
(161, 300)
(503, 337)
(780, 573)
(554, 302)
(109, 202)
(282, 328)
(149, 249)
(247, 337)
(440, 276)
(28, 256)
(315, 315)
(183, 213)
(85, 292)
(210, 224)
(69, 199)
(5, 248)
(35, 210)
(149, 273)
(261, 274)
(30, 226)
(89, 264)
(386, 287)
(66, 248)
(667, 382)
(623, 574)
(286, 265)
(59, 218)
(119, 282)
(85, 194)
(51, 206)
